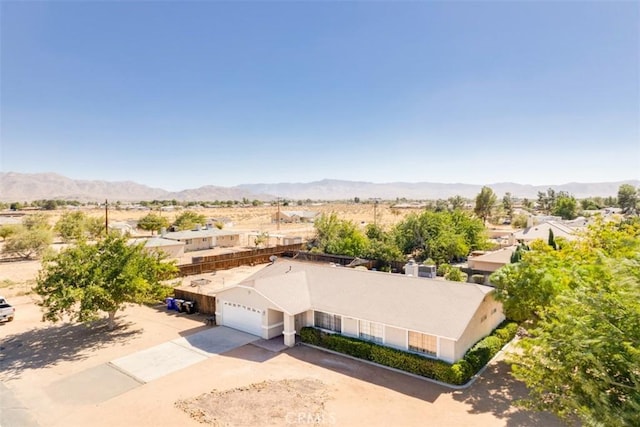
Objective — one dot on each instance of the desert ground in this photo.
(66, 375)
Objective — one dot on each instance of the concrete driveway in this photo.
(160, 360)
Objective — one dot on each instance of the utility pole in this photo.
(278, 214)
(375, 213)
(106, 217)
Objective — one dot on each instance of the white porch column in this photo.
(289, 330)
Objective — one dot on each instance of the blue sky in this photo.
(183, 94)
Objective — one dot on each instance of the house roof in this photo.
(502, 256)
(435, 307)
(541, 231)
(194, 234)
(155, 242)
(301, 214)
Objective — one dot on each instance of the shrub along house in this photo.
(435, 318)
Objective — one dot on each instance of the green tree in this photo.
(188, 220)
(457, 202)
(36, 221)
(382, 246)
(566, 206)
(94, 226)
(9, 230)
(153, 223)
(340, 237)
(547, 200)
(27, 243)
(507, 204)
(71, 226)
(85, 279)
(628, 198)
(485, 203)
(442, 236)
(582, 358)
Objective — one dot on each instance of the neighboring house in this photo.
(122, 228)
(196, 240)
(435, 318)
(541, 231)
(294, 216)
(173, 248)
(490, 261)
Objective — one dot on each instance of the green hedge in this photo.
(458, 373)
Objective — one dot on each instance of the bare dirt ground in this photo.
(249, 386)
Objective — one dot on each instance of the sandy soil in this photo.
(248, 386)
(277, 401)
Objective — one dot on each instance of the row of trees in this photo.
(580, 301)
(441, 236)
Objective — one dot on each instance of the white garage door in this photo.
(247, 319)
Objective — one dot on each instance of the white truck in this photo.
(6, 310)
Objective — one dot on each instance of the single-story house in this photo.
(208, 238)
(491, 261)
(435, 318)
(541, 231)
(173, 248)
(123, 228)
(294, 216)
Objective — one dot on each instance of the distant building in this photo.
(294, 216)
(208, 238)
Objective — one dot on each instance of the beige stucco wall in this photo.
(395, 337)
(484, 266)
(446, 350)
(478, 329)
(198, 243)
(349, 326)
(228, 241)
(275, 324)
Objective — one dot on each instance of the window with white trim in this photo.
(370, 331)
(423, 343)
(330, 322)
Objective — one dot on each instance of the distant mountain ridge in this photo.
(16, 186)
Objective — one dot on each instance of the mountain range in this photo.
(21, 187)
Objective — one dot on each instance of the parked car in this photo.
(6, 310)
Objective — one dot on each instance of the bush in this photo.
(458, 373)
(478, 278)
(456, 275)
(443, 269)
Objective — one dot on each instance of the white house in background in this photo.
(294, 216)
(173, 248)
(541, 231)
(207, 238)
(123, 228)
(435, 318)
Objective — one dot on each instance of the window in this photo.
(330, 322)
(483, 318)
(188, 241)
(204, 240)
(423, 343)
(370, 331)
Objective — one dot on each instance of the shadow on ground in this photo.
(496, 392)
(47, 346)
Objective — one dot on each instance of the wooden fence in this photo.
(209, 264)
(205, 304)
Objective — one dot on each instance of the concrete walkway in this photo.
(155, 362)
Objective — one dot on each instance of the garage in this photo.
(242, 317)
